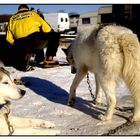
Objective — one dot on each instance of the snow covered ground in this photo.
(46, 98)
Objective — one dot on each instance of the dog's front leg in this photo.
(80, 74)
(30, 122)
(31, 126)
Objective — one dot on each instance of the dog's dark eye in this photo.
(5, 83)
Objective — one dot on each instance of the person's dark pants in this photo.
(39, 55)
(34, 43)
(53, 43)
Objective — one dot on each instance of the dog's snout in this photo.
(22, 92)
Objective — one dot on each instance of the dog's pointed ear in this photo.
(1, 64)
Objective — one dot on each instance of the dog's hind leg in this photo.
(80, 74)
(109, 87)
(98, 97)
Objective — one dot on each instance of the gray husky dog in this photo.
(10, 125)
(111, 52)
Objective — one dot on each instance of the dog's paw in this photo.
(102, 117)
(104, 120)
(134, 119)
(97, 103)
(46, 124)
(71, 102)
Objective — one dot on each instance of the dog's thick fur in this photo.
(111, 52)
(21, 126)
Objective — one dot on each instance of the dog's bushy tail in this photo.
(131, 69)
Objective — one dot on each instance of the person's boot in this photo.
(50, 63)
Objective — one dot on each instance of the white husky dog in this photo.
(111, 52)
(10, 125)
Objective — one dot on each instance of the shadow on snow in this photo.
(56, 94)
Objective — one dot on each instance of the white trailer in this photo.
(58, 21)
(87, 19)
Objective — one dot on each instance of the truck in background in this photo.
(58, 21)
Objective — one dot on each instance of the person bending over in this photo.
(28, 32)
